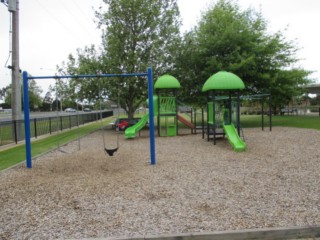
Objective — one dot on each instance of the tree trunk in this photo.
(130, 111)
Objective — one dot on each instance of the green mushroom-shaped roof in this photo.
(223, 81)
(166, 81)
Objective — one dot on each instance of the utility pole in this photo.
(13, 7)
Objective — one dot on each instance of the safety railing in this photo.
(167, 105)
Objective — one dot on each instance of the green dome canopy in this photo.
(166, 81)
(223, 81)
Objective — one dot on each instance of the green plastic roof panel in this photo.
(167, 81)
(223, 81)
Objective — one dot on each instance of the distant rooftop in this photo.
(313, 88)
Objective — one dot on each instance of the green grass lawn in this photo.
(312, 122)
(14, 155)
(250, 121)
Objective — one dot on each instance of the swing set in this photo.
(110, 152)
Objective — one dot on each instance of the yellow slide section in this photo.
(236, 142)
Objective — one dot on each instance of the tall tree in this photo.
(47, 101)
(4, 92)
(228, 38)
(7, 94)
(35, 99)
(136, 34)
(87, 61)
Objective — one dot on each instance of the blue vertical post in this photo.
(26, 119)
(151, 117)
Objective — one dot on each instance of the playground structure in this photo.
(223, 111)
(166, 89)
(223, 118)
(165, 109)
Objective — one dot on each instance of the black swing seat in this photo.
(110, 151)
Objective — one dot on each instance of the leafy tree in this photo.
(287, 86)
(7, 94)
(47, 102)
(35, 99)
(87, 62)
(228, 38)
(56, 105)
(5, 105)
(136, 34)
(63, 93)
(4, 92)
(48, 97)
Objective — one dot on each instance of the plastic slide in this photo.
(185, 121)
(131, 132)
(237, 144)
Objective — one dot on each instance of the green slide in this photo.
(237, 144)
(132, 131)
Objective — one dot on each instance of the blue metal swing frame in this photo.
(27, 77)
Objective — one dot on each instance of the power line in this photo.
(82, 11)
(75, 17)
(69, 30)
(89, 19)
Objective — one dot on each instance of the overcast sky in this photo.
(51, 29)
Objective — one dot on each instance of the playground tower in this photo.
(166, 88)
(220, 87)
